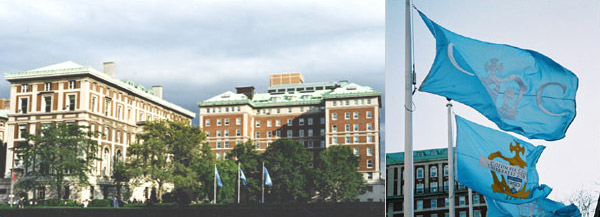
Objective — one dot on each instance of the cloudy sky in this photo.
(198, 49)
(566, 31)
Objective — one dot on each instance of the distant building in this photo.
(317, 115)
(431, 186)
(71, 93)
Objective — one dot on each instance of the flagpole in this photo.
(215, 191)
(470, 202)
(238, 196)
(408, 139)
(12, 184)
(263, 183)
(450, 161)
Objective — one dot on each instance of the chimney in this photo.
(248, 91)
(109, 68)
(157, 89)
(4, 104)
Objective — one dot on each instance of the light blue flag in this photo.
(496, 164)
(542, 207)
(243, 177)
(219, 183)
(267, 177)
(520, 90)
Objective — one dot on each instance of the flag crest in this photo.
(520, 90)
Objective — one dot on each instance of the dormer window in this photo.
(47, 86)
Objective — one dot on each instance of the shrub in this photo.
(101, 203)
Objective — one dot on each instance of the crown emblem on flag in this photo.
(493, 84)
(513, 176)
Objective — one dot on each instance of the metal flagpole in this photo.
(215, 191)
(12, 184)
(263, 184)
(470, 202)
(408, 146)
(239, 182)
(450, 161)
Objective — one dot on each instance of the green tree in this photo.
(336, 176)
(250, 163)
(59, 155)
(228, 173)
(204, 167)
(288, 164)
(121, 175)
(184, 143)
(148, 156)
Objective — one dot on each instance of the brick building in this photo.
(71, 93)
(317, 115)
(431, 186)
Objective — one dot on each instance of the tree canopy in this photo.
(336, 177)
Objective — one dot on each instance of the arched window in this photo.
(118, 156)
(105, 161)
(433, 171)
(420, 173)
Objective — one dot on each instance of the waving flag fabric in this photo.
(542, 207)
(243, 177)
(267, 177)
(219, 183)
(497, 165)
(520, 90)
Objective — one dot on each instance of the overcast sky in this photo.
(566, 31)
(198, 49)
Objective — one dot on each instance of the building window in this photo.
(106, 107)
(289, 110)
(278, 110)
(356, 139)
(369, 114)
(71, 84)
(369, 101)
(218, 145)
(355, 115)
(333, 116)
(219, 122)
(218, 156)
(269, 123)
(226, 121)
(277, 123)
(207, 122)
(24, 88)
(322, 132)
(446, 202)
(434, 203)
(322, 120)
(118, 136)
(347, 115)
(290, 122)
(419, 173)
(419, 204)
(334, 103)
(207, 133)
(475, 199)
(476, 213)
(226, 133)
(22, 131)
(369, 175)
(310, 121)
(257, 134)
(258, 145)
(369, 163)
(238, 121)
(322, 143)
(369, 126)
(433, 186)
(347, 141)
(334, 128)
(289, 133)
(347, 128)
(356, 152)
(269, 134)
(347, 102)
(71, 102)
(301, 121)
(369, 151)
(93, 105)
(218, 133)
(226, 144)
(119, 108)
(257, 123)
(369, 138)
(47, 86)
(420, 188)
(47, 103)
(445, 170)
(334, 140)
(238, 132)
(433, 171)
(278, 133)
(461, 200)
(301, 133)
(446, 187)
(310, 143)
(355, 127)
(310, 132)
(463, 214)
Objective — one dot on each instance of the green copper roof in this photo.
(304, 97)
(71, 68)
(422, 155)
